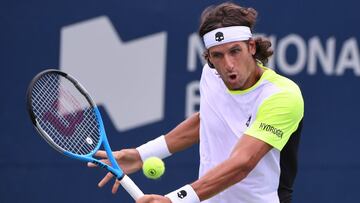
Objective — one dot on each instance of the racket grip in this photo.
(131, 187)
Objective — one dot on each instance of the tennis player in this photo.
(249, 121)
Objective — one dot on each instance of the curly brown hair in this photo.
(230, 14)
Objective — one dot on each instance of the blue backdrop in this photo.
(316, 45)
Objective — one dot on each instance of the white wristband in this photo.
(185, 194)
(156, 147)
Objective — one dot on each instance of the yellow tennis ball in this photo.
(153, 168)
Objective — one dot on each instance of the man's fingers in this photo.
(106, 179)
(118, 154)
(115, 186)
(105, 161)
(101, 154)
(91, 165)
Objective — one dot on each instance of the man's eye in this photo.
(235, 51)
(216, 55)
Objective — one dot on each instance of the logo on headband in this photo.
(219, 36)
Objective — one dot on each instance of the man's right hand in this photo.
(128, 159)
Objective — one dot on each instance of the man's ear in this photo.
(252, 46)
(210, 64)
(207, 58)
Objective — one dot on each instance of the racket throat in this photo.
(110, 169)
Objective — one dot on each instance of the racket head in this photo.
(64, 114)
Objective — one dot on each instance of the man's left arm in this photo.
(244, 157)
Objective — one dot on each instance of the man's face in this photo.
(235, 63)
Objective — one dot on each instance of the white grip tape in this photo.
(156, 147)
(131, 187)
(185, 194)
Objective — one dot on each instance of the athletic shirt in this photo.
(271, 111)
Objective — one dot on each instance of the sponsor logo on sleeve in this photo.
(272, 129)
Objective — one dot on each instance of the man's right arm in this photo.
(181, 137)
(184, 135)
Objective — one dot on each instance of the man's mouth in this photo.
(232, 76)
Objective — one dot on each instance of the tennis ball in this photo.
(153, 168)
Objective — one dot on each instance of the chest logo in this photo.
(248, 121)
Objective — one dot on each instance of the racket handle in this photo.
(131, 187)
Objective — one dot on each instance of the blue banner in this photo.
(141, 61)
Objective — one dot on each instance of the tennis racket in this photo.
(64, 114)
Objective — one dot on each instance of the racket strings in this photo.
(65, 114)
(76, 143)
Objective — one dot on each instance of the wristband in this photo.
(185, 194)
(156, 147)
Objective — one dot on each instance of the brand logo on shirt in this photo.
(270, 128)
(248, 121)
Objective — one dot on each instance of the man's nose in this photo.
(229, 63)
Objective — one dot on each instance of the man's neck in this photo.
(254, 77)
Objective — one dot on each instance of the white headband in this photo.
(226, 34)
